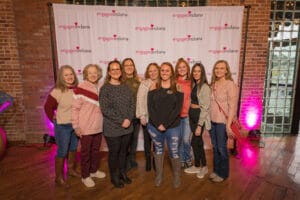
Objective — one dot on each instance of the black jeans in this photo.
(197, 141)
(147, 142)
(198, 149)
(134, 139)
(117, 149)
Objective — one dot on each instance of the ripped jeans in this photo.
(171, 136)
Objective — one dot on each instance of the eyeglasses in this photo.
(115, 70)
(128, 65)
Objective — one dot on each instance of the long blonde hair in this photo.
(228, 75)
(60, 83)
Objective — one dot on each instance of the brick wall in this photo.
(256, 50)
(26, 62)
(12, 120)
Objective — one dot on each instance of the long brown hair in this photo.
(179, 61)
(60, 83)
(203, 78)
(228, 75)
(172, 78)
(108, 77)
(124, 77)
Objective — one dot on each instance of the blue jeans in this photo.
(219, 141)
(184, 140)
(171, 136)
(65, 138)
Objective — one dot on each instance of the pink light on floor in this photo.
(252, 113)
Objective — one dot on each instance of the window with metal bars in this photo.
(280, 83)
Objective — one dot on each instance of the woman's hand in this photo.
(198, 131)
(161, 128)
(143, 121)
(78, 132)
(126, 123)
(229, 132)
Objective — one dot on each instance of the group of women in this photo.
(173, 106)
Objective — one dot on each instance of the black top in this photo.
(194, 98)
(164, 107)
(117, 104)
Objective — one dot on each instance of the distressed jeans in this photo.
(184, 140)
(171, 136)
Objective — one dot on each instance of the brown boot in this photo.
(59, 177)
(176, 171)
(72, 164)
(159, 165)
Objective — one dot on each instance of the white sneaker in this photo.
(88, 182)
(98, 174)
(202, 172)
(213, 175)
(192, 170)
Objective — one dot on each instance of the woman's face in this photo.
(153, 72)
(115, 71)
(197, 73)
(182, 69)
(92, 74)
(220, 70)
(165, 72)
(68, 77)
(128, 68)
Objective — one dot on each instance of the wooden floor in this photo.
(273, 172)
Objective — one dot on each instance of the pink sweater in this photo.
(86, 113)
(227, 96)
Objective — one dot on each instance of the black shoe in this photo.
(117, 182)
(125, 179)
(133, 164)
(148, 164)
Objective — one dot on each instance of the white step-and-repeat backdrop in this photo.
(99, 34)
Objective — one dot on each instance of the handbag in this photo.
(235, 124)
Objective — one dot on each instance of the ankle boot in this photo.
(124, 178)
(115, 180)
(59, 177)
(148, 163)
(176, 171)
(159, 164)
(72, 164)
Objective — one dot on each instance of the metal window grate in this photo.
(279, 91)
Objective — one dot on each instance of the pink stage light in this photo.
(252, 114)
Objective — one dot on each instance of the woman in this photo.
(199, 115)
(58, 108)
(151, 78)
(131, 79)
(182, 75)
(117, 105)
(224, 95)
(87, 121)
(164, 106)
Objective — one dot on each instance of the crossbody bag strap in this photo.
(220, 107)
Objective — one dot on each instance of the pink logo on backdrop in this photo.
(151, 51)
(79, 71)
(75, 25)
(105, 62)
(225, 26)
(151, 27)
(187, 14)
(188, 38)
(223, 50)
(190, 60)
(112, 13)
(77, 49)
(114, 37)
